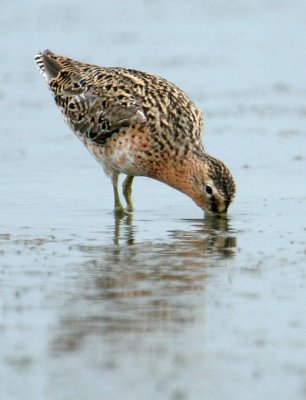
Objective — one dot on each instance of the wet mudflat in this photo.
(163, 303)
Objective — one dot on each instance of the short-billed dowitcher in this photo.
(138, 124)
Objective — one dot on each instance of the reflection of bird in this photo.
(140, 125)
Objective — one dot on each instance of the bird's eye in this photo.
(208, 190)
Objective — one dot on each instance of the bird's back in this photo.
(171, 118)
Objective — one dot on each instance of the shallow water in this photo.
(163, 303)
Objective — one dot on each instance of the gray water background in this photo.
(164, 304)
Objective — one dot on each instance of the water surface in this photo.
(164, 303)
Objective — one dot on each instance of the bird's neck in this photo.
(183, 174)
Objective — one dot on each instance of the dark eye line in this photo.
(213, 205)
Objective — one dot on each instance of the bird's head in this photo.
(213, 186)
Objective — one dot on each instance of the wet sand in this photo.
(163, 304)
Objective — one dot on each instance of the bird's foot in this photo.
(119, 212)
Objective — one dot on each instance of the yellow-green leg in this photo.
(127, 191)
(119, 210)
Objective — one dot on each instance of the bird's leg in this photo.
(119, 210)
(127, 191)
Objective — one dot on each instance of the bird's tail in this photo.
(50, 64)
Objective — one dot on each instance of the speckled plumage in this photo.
(140, 125)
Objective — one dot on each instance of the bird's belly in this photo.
(122, 154)
(119, 160)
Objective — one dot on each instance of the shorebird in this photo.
(138, 124)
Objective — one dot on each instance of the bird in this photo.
(138, 124)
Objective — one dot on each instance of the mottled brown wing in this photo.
(113, 120)
(94, 117)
